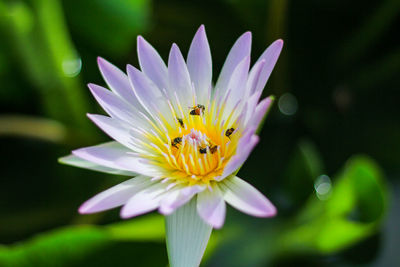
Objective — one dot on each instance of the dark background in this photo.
(329, 151)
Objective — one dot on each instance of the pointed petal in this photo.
(103, 154)
(254, 77)
(115, 128)
(81, 163)
(238, 52)
(152, 64)
(178, 198)
(251, 105)
(187, 236)
(245, 146)
(115, 196)
(117, 81)
(244, 197)
(144, 201)
(260, 111)
(179, 78)
(200, 65)
(211, 207)
(270, 56)
(114, 105)
(110, 155)
(148, 94)
(237, 85)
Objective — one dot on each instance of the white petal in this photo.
(81, 163)
(116, 107)
(115, 128)
(115, 196)
(254, 77)
(149, 95)
(260, 111)
(200, 65)
(245, 146)
(178, 198)
(211, 207)
(144, 201)
(103, 154)
(240, 50)
(244, 197)
(270, 56)
(179, 78)
(237, 87)
(111, 155)
(117, 81)
(152, 64)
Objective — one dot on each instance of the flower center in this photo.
(199, 143)
(196, 154)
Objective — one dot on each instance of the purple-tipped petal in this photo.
(81, 163)
(114, 155)
(240, 50)
(144, 201)
(211, 207)
(245, 146)
(152, 64)
(148, 94)
(178, 198)
(200, 65)
(103, 154)
(114, 105)
(260, 111)
(237, 85)
(116, 129)
(270, 56)
(117, 81)
(179, 78)
(115, 196)
(254, 77)
(244, 197)
(139, 165)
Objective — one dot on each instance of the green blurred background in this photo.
(329, 151)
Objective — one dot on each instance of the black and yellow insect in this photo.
(213, 149)
(180, 122)
(197, 110)
(176, 141)
(229, 132)
(203, 150)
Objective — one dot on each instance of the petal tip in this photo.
(83, 209)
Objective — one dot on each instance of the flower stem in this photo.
(187, 236)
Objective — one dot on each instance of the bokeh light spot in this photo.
(323, 187)
(288, 104)
(72, 67)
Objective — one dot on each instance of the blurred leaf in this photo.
(28, 126)
(353, 212)
(37, 35)
(150, 228)
(112, 25)
(302, 170)
(72, 245)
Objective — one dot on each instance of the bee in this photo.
(229, 132)
(203, 150)
(181, 122)
(176, 141)
(213, 149)
(197, 110)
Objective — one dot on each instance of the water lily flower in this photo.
(181, 137)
